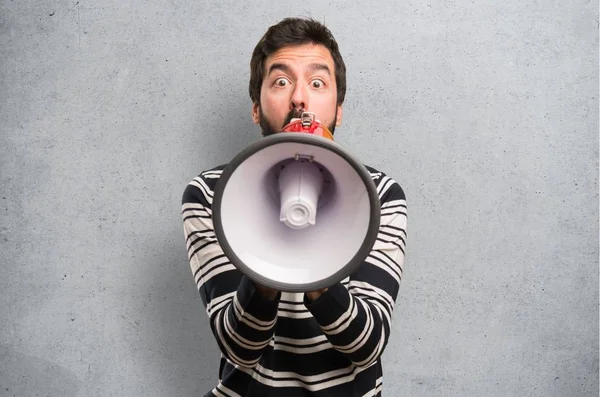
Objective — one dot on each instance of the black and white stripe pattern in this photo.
(328, 347)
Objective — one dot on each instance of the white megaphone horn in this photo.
(295, 211)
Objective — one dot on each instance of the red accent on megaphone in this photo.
(315, 128)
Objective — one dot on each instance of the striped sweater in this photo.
(291, 346)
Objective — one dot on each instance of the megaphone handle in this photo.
(314, 295)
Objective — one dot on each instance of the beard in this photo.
(268, 129)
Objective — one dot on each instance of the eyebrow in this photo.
(278, 66)
(313, 67)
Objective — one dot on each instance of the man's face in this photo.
(298, 78)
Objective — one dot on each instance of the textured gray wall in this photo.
(485, 112)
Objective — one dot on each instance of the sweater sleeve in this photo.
(357, 319)
(241, 321)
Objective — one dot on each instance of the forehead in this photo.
(301, 57)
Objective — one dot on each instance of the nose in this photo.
(299, 98)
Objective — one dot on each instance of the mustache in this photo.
(293, 114)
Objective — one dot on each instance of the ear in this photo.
(256, 113)
(339, 116)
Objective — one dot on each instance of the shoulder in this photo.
(389, 189)
(201, 189)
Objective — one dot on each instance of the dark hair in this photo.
(295, 31)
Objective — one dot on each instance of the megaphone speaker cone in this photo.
(296, 212)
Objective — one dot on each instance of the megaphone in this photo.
(295, 211)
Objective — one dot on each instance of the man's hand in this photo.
(271, 294)
(265, 292)
(314, 295)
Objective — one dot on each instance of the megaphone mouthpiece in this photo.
(307, 123)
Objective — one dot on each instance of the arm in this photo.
(357, 320)
(241, 319)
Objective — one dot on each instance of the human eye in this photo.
(281, 82)
(317, 83)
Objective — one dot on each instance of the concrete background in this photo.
(485, 112)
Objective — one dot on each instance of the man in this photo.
(319, 343)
